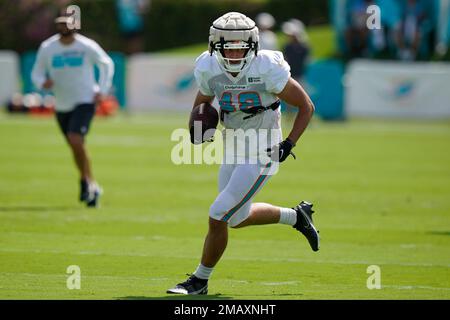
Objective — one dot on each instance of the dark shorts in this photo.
(132, 34)
(77, 120)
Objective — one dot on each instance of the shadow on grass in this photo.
(439, 233)
(35, 208)
(269, 296)
(217, 296)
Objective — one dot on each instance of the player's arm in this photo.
(106, 69)
(38, 74)
(205, 93)
(201, 98)
(295, 95)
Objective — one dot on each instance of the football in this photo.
(203, 123)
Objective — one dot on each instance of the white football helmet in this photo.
(234, 30)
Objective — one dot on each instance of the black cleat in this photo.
(305, 225)
(192, 286)
(84, 190)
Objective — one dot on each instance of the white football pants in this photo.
(238, 185)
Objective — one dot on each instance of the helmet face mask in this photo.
(234, 64)
(234, 31)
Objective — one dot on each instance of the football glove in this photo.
(281, 151)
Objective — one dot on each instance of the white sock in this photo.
(288, 216)
(203, 272)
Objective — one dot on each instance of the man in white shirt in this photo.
(267, 38)
(248, 85)
(65, 64)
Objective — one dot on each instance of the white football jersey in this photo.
(266, 76)
(71, 67)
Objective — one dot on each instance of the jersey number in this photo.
(246, 99)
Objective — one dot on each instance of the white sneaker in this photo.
(95, 191)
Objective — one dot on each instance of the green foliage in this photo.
(168, 24)
(310, 12)
(182, 22)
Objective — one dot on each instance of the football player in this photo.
(248, 84)
(65, 64)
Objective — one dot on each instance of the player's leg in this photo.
(75, 142)
(231, 205)
(234, 204)
(214, 246)
(80, 154)
(78, 128)
(265, 213)
(215, 243)
(63, 119)
(217, 238)
(299, 217)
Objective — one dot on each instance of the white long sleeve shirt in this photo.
(71, 68)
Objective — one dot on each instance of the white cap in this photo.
(265, 20)
(295, 27)
(62, 19)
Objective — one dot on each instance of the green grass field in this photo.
(381, 191)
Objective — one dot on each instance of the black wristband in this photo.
(290, 141)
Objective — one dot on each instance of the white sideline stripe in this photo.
(414, 287)
(283, 283)
(293, 260)
(237, 281)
